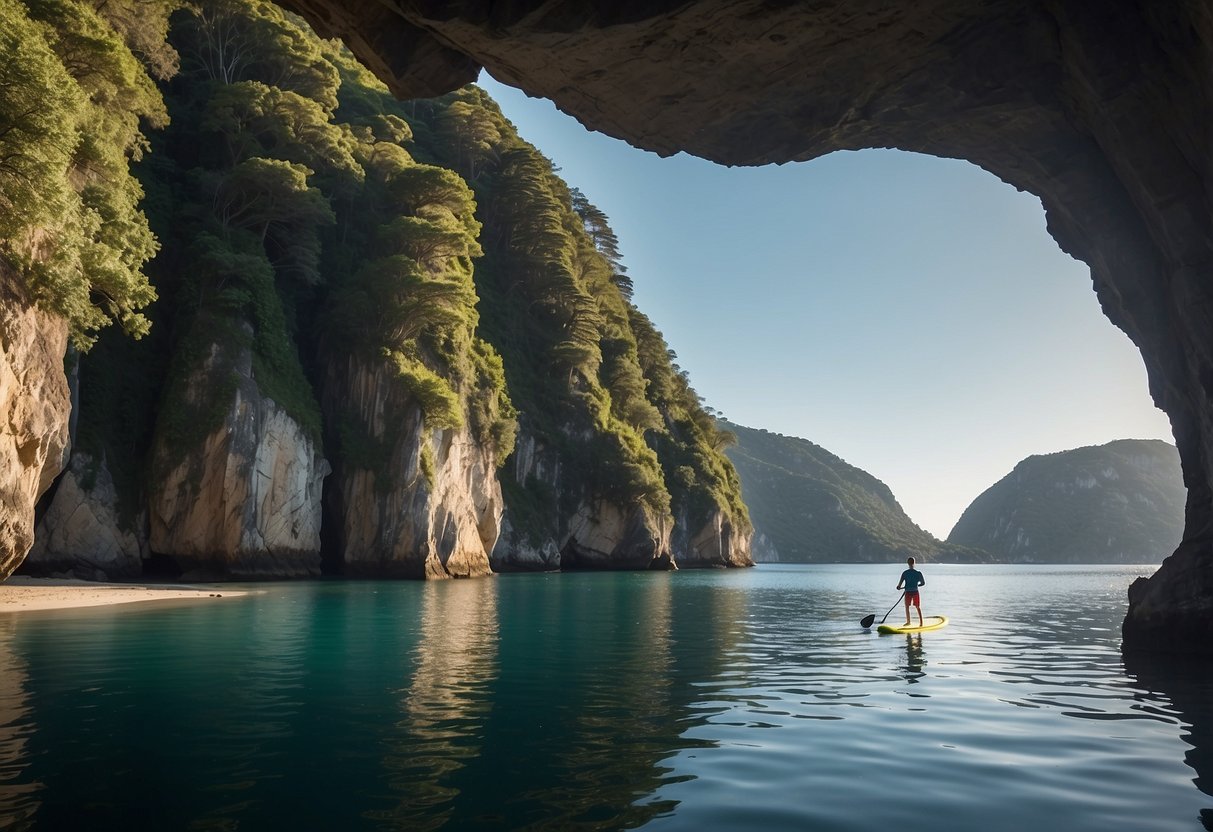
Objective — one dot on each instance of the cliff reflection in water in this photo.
(444, 706)
(585, 690)
(18, 796)
(361, 705)
(597, 702)
(614, 727)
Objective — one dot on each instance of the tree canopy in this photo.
(74, 101)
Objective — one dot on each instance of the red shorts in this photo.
(912, 598)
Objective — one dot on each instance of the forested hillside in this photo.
(808, 505)
(389, 339)
(589, 375)
(1122, 502)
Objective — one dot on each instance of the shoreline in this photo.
(24, 594)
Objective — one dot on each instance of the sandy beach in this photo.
(21, 594)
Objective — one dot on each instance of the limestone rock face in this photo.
(245, 500)
(603, 535)
(712, 542)
(408, 502)
(585, 533)
(518, 552)
(82, 533)
(1103, 110)
(35, 406)
(530, 543)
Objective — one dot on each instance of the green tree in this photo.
(251, 118)
(144, 26)
(473, 134)
(604, 240)
(228, 41)
(413, 303)
(552, 307)
(73, 98)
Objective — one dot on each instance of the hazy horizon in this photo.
(907, 313)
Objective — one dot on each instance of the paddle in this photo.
(867, 620)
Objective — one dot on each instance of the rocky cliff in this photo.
(1122, 502)
(236, 486)
(553, 522)
(83, 532)
(1104, 110)
(296, 204)
(404, 500)
(531, 538)
(617, 464)
(810, 506)
(35, 406)
(714, 540)
(712, 526)
(606, 535)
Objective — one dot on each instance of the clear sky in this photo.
(907, 313)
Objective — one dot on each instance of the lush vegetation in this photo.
(814, 507)
(402, 265)
(306, 219)
(692, 445)
(299, 226)
(1121, 502)
(76, 93)
(591, 377)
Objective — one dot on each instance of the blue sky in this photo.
(907, 313)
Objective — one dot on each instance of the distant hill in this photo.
(1122, 502)
(808, 505)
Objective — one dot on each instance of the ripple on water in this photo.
(724, 701)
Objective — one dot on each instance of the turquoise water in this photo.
(734, 700)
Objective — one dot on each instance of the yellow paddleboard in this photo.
(929, 622)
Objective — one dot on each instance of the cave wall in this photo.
(1102, 108)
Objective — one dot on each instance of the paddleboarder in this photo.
(912, 579)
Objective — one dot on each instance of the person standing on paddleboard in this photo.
(912, 579)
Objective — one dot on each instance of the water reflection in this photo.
(914, 658)
(172, 717)
(1187, 683)
(253, 727)
(445, 705)
(606, 731)
(18, 798)
(610, 774)
(729, 701)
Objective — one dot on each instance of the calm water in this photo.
(736, 700)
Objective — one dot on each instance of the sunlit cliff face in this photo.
(1103, 111)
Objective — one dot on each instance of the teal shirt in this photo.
(913, 579)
